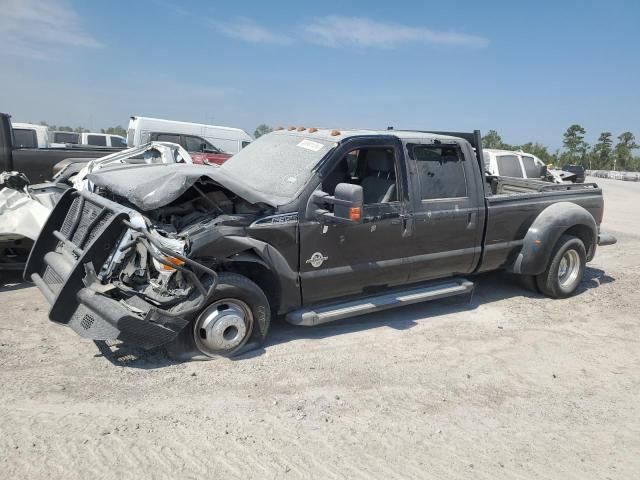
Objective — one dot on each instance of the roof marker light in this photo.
(300, 129)
(313, 130)
(335, 133)
(280, 128)
(291, 128)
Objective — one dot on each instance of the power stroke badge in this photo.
(317, 259)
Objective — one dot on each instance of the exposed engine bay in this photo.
(152, 258)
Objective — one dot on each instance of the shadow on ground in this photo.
(490, 287)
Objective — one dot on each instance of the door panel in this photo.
(349, 259)
(448, 218)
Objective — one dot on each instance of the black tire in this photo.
(549, 282)
(528, 282)
(238, 291)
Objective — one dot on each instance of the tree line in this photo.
(607, 154)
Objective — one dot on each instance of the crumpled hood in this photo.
(153, 186)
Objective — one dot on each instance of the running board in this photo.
(337, 311)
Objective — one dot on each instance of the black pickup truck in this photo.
(38, 164)
(314, 225)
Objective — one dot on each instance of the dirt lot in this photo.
(509, 385)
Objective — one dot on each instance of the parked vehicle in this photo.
(24, 208)
(38, 163)
(201, 151)
(518, 164)
(577, 170)
(29, 135)
(314, 225)
(103, 140)
(194, 137)
(23, 211)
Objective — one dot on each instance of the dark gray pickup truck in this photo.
(314, 225)
(38, 164)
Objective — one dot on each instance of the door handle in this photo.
(471, 220)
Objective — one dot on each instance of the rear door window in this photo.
(198, 144)
(530, 167)
(97, 140)
(25, 138)
(166, 137)
(440, 171)
(509, 166)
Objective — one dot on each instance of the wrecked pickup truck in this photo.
(314, 225)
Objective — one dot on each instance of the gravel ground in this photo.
(506, 385)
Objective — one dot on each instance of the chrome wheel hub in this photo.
(223, 327)
(569, 268)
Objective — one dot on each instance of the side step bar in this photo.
(337, 311)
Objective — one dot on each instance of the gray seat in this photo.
(379, 186)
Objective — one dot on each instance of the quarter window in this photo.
(440, 171)
(509, 166)
(118, 142)
(530, 168)
(25, 138)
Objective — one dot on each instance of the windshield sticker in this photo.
(310, 145)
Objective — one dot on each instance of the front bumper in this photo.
(77, 239)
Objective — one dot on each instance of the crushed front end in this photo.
(108, 273)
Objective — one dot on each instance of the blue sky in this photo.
(527, 69)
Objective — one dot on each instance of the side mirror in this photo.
(347, 204)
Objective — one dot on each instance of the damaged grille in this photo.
(86, 220)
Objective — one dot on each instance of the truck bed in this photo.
(512, 206)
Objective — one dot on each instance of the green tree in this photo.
(262, 129)
(576, 147)
(117, 130)
(80, 130)
(65, 129)
(623, 158)
(492, 140)
(601, 155)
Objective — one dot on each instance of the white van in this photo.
(226, 139)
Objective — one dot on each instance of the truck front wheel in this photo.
(235, 321)
(565, 270)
